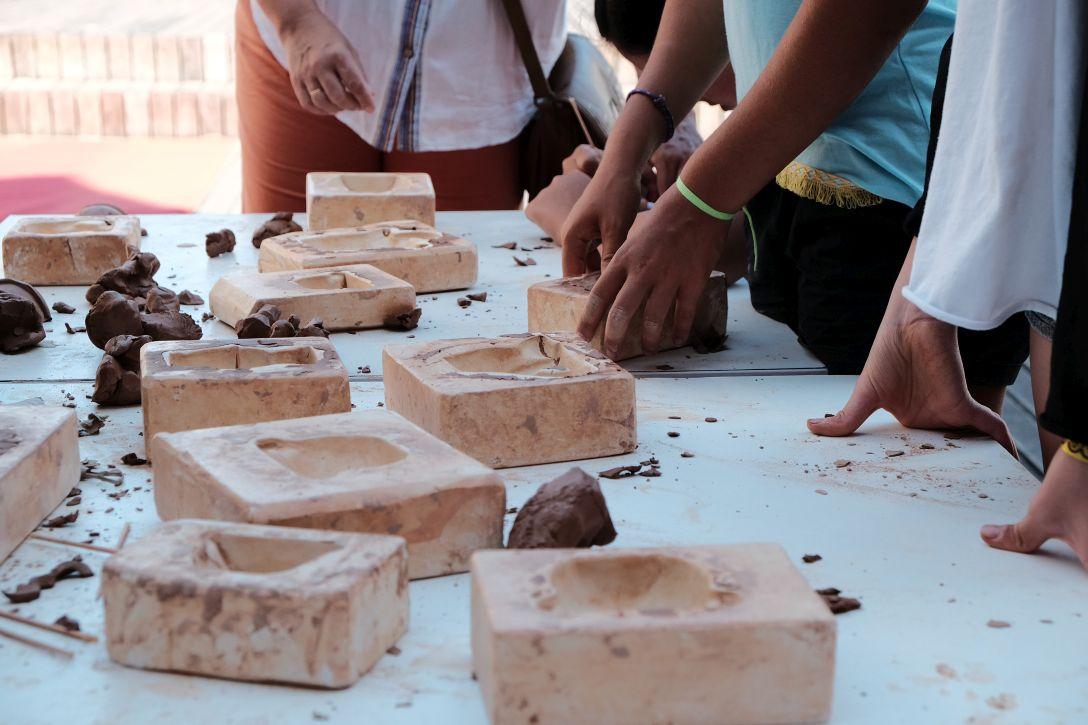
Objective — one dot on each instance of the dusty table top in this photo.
(756, 344)
(898, 533)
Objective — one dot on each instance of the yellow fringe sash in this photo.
(823, 187)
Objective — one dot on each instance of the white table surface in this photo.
(898, 533)
(756, 345)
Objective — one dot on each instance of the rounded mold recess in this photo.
(331, 455)
(536, 356)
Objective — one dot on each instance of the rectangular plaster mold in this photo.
(515, 400)
(261, 603)
(350, 297)
(557, 306)
(340, 199)
(366, 471)
(39, 465)
(68, 250)
(187, 384)
(702, 634)
(422, 256)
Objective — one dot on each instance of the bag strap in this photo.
(515, 14)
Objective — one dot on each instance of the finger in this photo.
(574, 256)
(1024, 537)
(687, 303)
(303, 96)
(622, 313)
(334, 93)
(649, 183)
(666, 176)
(986, 421)
(611, 240)
(599, 300)
(863, 402)
(655, 314)
(354, 81)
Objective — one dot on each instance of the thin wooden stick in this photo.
(35, 643)
(54, 540)
(124, 536)
(74, 634)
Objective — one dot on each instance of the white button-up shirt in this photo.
(444, 74)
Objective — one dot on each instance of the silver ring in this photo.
(315, 91)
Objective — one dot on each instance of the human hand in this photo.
(665, 261)
(914, 372)
(550, 208)
(670, 157)
(325, 71)
(1059, 510)
(587, 159)
(603, 214)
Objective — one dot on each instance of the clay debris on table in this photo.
(281, 223)
(267, 322)
(569, 511)
(405, 321)
(23, 313)
(837, 603)
(117, 381)
(220, 242)
(31, 590)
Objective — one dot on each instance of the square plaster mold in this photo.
(348, 199)
(515, 400)
(187, 384)
(366, 471)
(352, 297)
(703, 634)
(557, 306)
(39, 465)
(261, 603)
(422, 256)
(68, 250)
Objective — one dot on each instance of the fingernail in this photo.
(815, 421)
(990, 531)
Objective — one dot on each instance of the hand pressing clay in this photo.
(114, 314)
(567, 512)
(22, 312)
(134, 278)
(281, 223)
(117, 381)
(220, 242)
(266, 322)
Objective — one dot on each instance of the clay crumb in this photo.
(92, 425)
(811, 558)
(220, 242)
(526, 262)
(364, 369)
(32, 589)
(185, 297)
(464, 301)
(687, 454)
(998, 624)
(664, 367)
(477, 296)
(73, 330)
(207, 316)
(60, 521)
(131, 459)
(281, 223)
(710, 419)
(63, 307)
(404, 322)
(842, 463)
(506, 245)
(394, 650)
(837, 603)
(893, 454)
(620, 472)
(927, 447)
(67, 623)
(673, 434)
(569, 511)
(651, 472)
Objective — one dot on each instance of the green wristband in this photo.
(699, 203)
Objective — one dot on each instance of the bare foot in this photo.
(1059, 510)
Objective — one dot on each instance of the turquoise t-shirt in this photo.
(879, 142)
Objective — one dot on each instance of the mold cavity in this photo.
(236, 357)
(536, 356)
(375, 183)
(334, 280)
(68, 226)
(650, 583)
(351, 240)
(332, 455)
(260, 555)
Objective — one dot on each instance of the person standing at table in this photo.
(374, 85)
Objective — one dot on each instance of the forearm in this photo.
(829, 53)
(286, 14)
(689, 53)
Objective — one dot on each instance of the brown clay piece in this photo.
(281, 223)
(837, 603)
(569, 511)
(220, 242)
(405, 321)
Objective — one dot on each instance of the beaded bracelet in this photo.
(659, 103)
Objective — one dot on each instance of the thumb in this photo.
(1024, 537)
(861, 405)
(986, 421)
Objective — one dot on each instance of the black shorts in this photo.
(828, 273)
